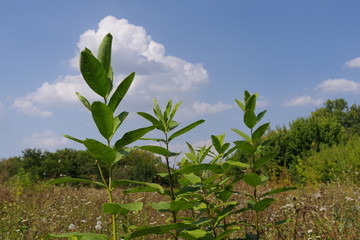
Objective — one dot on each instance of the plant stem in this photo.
(171, 183)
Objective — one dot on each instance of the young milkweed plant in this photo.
(252, 147)
(97, 73)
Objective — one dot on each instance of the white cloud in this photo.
(303, 101)
(157, 75)
(45, 140)
(339, 85)
(353, 63)
(201, 108)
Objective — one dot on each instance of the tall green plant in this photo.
(252, 146)
(98, 74)
(163, 120)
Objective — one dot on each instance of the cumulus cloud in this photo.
(353, 63)
(157, 75)
(303, 101)
(45, 140)
(339, 85)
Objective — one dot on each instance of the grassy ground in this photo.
(315, 212)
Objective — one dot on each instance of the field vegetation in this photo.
(299, 181)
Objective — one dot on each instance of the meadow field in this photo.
(325, 211)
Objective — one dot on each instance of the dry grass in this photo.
(315, 212)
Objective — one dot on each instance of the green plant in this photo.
(163, 121)
(252, 146)
(98, 74)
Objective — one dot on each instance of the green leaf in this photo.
(250, 119)
(120, 92)
(240, 104)
(225, 194)
(100, 151)
(251, 103)
(132, 136)
(146, 230)
(172, 114)
(202, 167)
(192, 178)
(156, 186)
(161, 206)
(260, 116)
(279, 190)
(74, 139)
(252, 179)
(196, 234)
(158, 150)
(259, 132)
(74, 180)
(236, 164)
(158, 112)
(94, 73)
(103, 117)
(119, 119)
(180, 204)
(117, 208)
(242, 134)
(80, 236)
(216, 143)
(263, 160)
(185, 129)
(245, 147)
(104, 54)
(150, 118)
(263, 204)
(84, 101)
(167, 111)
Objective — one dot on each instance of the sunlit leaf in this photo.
(100, 151)
(132, 136)
(84, 101)
(120, 92)
(103, 117)
(259, 132)
(250, 119)
(104, 54)
(74, 139)
(185, 129)
(245, 147)
(94, 73)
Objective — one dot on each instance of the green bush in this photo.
(336, 163)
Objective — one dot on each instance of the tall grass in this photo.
(316, 212)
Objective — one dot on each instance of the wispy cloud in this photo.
(303, 101)
(353, 63)
(339, 85)
(45, 140)
(202, 108)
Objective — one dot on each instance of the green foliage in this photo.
(98, 74)
(337, 163)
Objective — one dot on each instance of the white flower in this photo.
(72, 226)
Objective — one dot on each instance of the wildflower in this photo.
(71, 226)
(98, 225)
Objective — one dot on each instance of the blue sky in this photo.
(295, 54)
